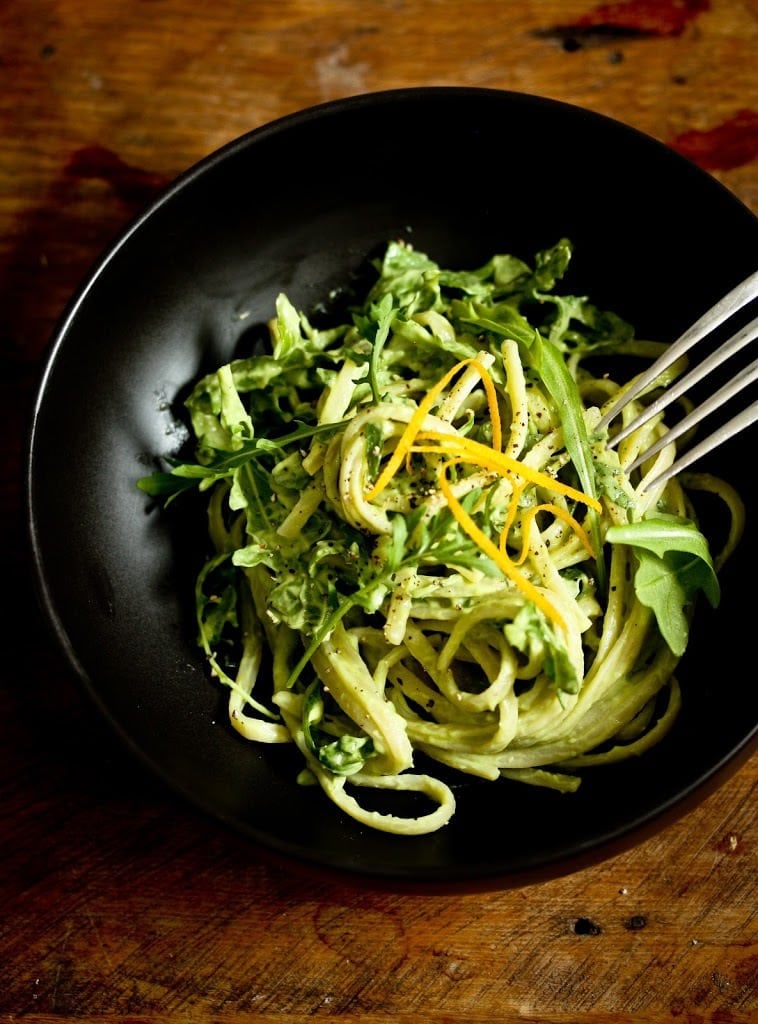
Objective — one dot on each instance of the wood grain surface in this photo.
(117, 901)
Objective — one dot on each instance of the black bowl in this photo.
(299, 205)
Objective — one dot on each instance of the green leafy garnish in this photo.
(344, 755)
(534, 637)
(673, 565)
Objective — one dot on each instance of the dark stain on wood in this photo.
(733, 143)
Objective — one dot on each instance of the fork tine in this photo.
(739, 422)
(730, 347)
(734, 300)
(728, 391)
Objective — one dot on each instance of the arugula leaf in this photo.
(295, 341)
(410, 277)
(345, 755)
(219, 610)
(549, 267)
(222, 464)
(376, 328)
(673, 565)
(531, 634)
(234, 417)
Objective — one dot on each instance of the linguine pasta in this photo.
(425, 560)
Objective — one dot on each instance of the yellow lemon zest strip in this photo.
(402, 449)
(559, 513)
(482, 455)
(489, 388)
(518, 490)
(500, 558)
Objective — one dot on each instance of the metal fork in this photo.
(731, 303)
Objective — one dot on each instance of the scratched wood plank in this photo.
(116, 897)
(161, 91)
(434, 1017)
(431, 1016)
(119, 903)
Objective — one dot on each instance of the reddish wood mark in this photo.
(632, 18)
(731, 144)
(134, 186)
(646, 17)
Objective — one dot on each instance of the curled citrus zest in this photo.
(498, 556)
(457, 450)
(402, 449)
(494, 411)
(482, 455)
(518, 490)
(529, 514)
(560, 513)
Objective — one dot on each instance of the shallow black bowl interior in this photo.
(298, 206)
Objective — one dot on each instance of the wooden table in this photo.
(117, 901)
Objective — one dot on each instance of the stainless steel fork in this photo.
(723, 310)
